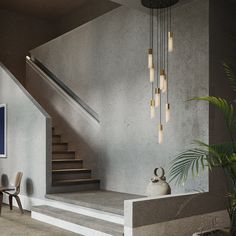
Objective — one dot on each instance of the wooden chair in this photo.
(13, 192)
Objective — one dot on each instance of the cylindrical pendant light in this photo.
(152, 74)
(170, 42)
(152, 108)
(158, 60)
(162, 79)
(160, 133)
(150, 58)
(167, 112)
(157, 97)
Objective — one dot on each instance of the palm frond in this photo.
(220, 154)
(225, 107)
(191, 160)
(231, 75)
(204, 155)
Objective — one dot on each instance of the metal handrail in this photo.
(64, 87)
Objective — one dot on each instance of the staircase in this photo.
(68, 173)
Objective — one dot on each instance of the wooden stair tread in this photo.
(63, 152)
(59, 143)
(75, 181)
(67, 160)
(71, 170)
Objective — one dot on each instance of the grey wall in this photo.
(19, 34)
(87, 12)
(27, 147)
(105, 62)
(175, 215)
(222, 49)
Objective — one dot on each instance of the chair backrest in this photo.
(18, 181)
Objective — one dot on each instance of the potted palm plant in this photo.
(221, 155)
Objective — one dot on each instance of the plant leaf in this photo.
(226, 108)
(231, 75)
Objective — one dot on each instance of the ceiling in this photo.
(47, 9)
(137, 3)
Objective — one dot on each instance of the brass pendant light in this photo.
(158, 60)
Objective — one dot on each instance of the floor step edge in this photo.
(85, 210)
(66, 225)
(77, 223)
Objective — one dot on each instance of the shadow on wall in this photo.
(29, 184)
(4, 180)
(29, 187)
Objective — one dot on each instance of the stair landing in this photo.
(107, 201)
(87, 213)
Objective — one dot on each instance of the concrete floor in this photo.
(12, 223)
(100, 200)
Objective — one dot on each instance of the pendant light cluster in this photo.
(158, 57)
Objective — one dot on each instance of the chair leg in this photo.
(10, 202)
(19, 204)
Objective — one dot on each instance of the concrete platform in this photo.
(14, 223)
(76, 223)
(107, 201)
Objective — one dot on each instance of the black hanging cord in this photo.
(157, 61)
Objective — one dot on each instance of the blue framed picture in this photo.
(3, 131)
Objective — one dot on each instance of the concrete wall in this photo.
(105, 62)
(150, 216)
(182, 214)
(27, 137)
(18, 35)
(87, 12)
(222, 49)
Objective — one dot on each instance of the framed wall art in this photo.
(3, 130)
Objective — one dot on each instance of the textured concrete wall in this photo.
(26, 137)
(18, 35)
(184, 227)
(105, 62)
(181, 214)
(222, 49)
(87, 12)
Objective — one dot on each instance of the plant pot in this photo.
(213, 232)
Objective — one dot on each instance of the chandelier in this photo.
(158, 57)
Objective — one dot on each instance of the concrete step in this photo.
(56, 138)
(59, 147)
(75, 182)
(67, 164)
(77, 223)
(74, 188)
(70, 202)
(63, 155)
(70, 174)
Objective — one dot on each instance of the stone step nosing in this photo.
(75, 182)
(67, 160)
(82, 170)
(89, 210)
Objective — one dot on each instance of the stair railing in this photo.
(63, 87)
